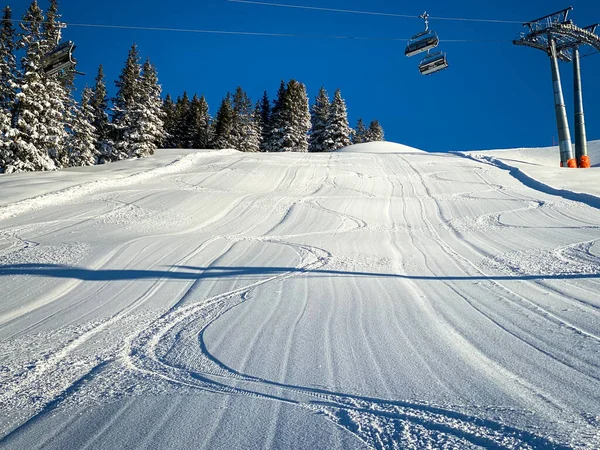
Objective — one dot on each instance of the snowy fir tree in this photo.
(264, 119)
(276, 122)
(82, 142)
(295, 117)
(203, 132)
(29, 144)
(170, 140)
(199, 123)
(143, 122)
(223, 125)
(99, 104)
(359, 134)
(8, 63)
(151, 114)
(126, 106)
(337, 124)
(319, 140)
(8, 74)
(245, 134)
(58, 87)
(183, 133)
(375, 132)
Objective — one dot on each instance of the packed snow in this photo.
(375, 297)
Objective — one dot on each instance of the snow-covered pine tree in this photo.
(359, 134)
(274, 131)
(8, 63)
(125, 106)
(143, 118)
(60, 103)
(199, 123)
(295, 115)
(257, 121)
(170, 122)
(375, 132)
(203, 136)
(223, 125)
(8, 74)
(319, 140)
(29, 144)
(183, 133)
(338, 128)
(244, 131)
(265, 120)
(99, 104)
(83, 139)
(151, 113)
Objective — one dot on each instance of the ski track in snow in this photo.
(157, 351)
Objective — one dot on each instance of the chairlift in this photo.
(60, 58)
(423, 41)
(433, 63)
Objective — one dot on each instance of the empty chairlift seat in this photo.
(59, 59)
(422, 42)
(433, 63)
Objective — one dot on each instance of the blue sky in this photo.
(494, 95)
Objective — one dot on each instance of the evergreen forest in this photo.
(44, 127)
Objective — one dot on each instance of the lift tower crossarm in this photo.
(549, 21)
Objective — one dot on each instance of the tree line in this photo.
(43, 127)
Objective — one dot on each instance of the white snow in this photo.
(375, 297)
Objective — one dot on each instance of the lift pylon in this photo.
(560, 38)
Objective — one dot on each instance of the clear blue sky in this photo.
(494, 95)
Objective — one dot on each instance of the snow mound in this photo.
(380, 147)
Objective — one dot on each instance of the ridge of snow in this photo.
(379, 147)
(539, 168)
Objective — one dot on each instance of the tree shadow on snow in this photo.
(197, 273)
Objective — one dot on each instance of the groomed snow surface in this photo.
(376, 297)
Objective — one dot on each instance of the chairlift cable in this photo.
(257, 33)
(372, 13)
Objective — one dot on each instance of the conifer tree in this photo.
(319, 140)
(8, 73)
(8, 63)
(295, 117)
(244, 130)
(275, 125)
(82, 143)
(170, 122)
(338, 128)
(359, 135)
(28, 146)
(183, 134)
(223, 126)
(143, 117)
(203, 136)
(99, 104)
(199, 123)
(58, 87)
(125, 104)
(151, 113)
(264, 117)
(375, 132)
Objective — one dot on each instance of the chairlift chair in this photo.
(433, 63)
(423, 41)
(59, 59)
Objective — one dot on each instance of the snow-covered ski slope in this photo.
(376, 297)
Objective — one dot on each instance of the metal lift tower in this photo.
(561, 39)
